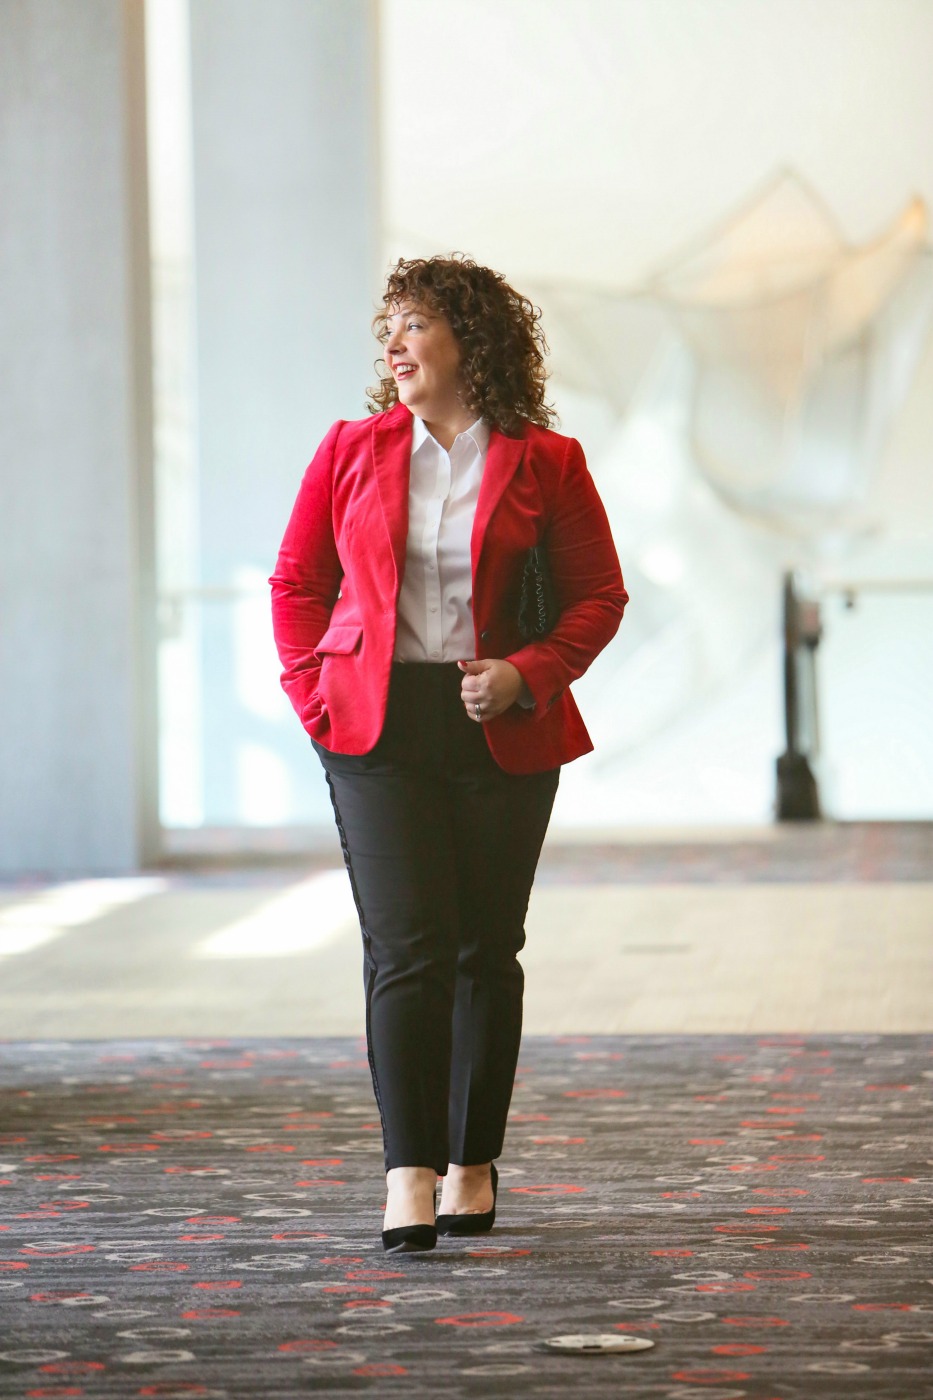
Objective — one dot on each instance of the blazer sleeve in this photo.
(306, 581)
(588, 585)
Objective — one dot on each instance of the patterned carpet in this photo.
(792, 852)
(201, 1218)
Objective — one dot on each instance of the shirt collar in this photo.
(478, 431)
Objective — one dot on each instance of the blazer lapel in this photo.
(392, 466)
(502, 460)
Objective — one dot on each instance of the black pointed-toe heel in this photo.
(473, 1222)
(407, 1239)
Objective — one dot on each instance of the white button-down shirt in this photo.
(435, 604)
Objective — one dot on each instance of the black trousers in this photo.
(441, 847)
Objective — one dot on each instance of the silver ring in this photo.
(477, 711)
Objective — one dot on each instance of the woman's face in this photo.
(424, 356)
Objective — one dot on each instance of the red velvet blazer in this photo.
(337, 579)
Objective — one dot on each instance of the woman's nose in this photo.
(395, 340)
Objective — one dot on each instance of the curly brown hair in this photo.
(502, 345)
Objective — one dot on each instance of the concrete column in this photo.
(286, 229)
(78, 734)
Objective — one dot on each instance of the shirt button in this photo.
(435, 654)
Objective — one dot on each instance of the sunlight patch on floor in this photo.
(46, 916)
(304, 918)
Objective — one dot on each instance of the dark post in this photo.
(798, 796)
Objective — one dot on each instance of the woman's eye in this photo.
(414, 326)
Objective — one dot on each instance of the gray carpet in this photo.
(201, 1218)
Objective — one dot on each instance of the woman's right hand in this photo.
(489, 688)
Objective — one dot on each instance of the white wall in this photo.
(77, 676)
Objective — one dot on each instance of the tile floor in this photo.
(273, 949)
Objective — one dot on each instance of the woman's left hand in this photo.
(489, 688)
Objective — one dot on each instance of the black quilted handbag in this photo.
(537, 607)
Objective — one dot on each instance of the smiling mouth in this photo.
(404, 371)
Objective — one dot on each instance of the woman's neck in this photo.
(445, 429)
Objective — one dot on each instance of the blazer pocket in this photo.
(339, 640)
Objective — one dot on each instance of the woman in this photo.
(441, 732)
